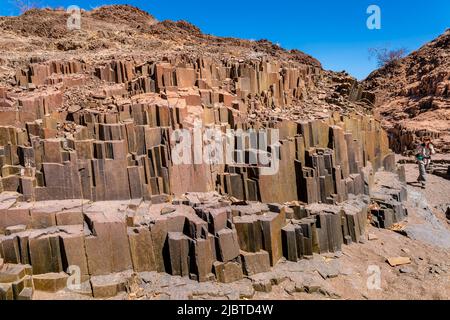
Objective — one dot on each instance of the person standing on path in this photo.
(423, 157)
(420, 157)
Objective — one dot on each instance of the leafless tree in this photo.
(385, 56)
(24, 5)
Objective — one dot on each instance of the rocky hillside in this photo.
(125, 32)
(412, 95)
(125, 28)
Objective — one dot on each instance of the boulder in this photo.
(227, 272)
(50, 282)
(227, 244)
(255, 262)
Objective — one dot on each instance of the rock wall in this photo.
(119, 149)
(202, 236)
(412, 96)
(405, 140)
(117, 143)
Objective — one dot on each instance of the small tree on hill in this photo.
(385, 57)
(24, 5)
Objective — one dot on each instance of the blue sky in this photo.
(334, 32)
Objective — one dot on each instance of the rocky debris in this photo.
(46, 23)
(157, 286)
(131, 29)
(134, 287)
(263, 285)
(438, 269)
(124, 15)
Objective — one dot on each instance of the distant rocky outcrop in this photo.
(413, 95)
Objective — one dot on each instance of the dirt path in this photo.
(437, 189)
(436, 192)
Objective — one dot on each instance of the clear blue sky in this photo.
(334, 32)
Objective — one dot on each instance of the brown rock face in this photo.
(413, 95)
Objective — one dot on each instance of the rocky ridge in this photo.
(412, 95)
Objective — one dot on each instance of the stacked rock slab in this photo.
(128, 161)
(121, 144)
(403, 139)
(203, 236)
(144, 209)
(388, 198)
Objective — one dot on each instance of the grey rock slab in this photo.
(428, 234)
